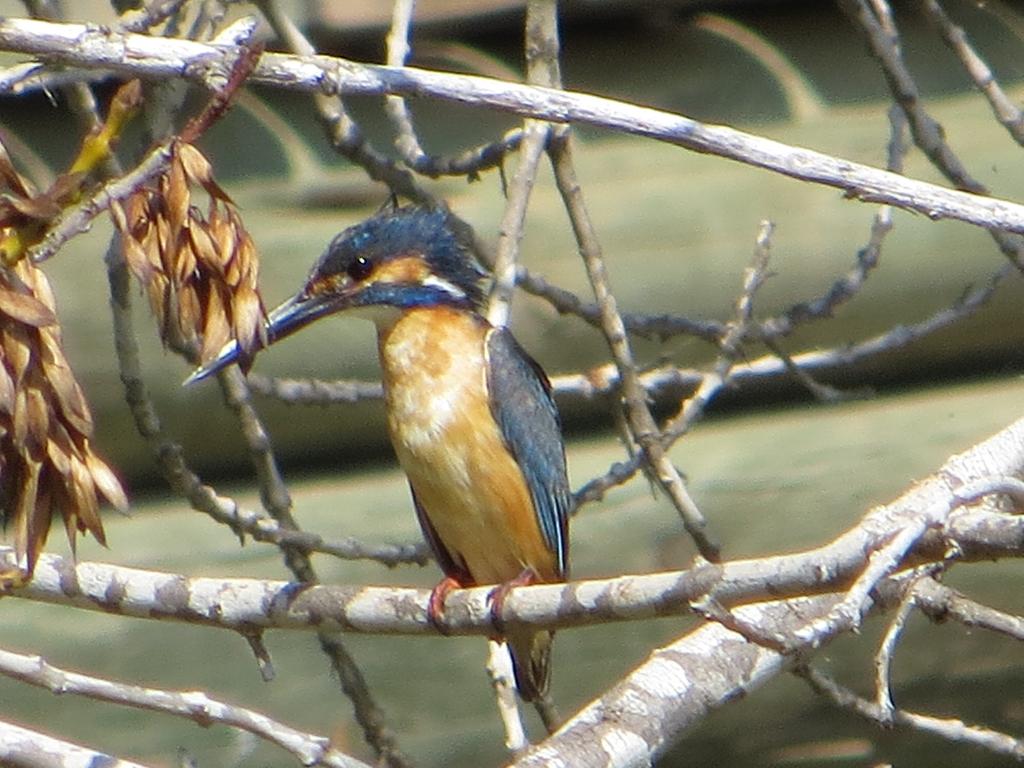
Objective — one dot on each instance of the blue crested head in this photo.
(403, 256)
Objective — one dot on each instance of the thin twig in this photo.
(1003, 107)
(406, 141)
(710, 383)
(315, 391)
(541, 69)
(929, 136)
(711, 610)
(849, 612)
(940, 603)
(273, 492)
(510, 231)
(769, 367)
(662, 326)
(149, 15)
(883, 659)
(193, 705)
(277, 501)
(823, 393)
(731, 343)
(1011, 487)
(642, 424)
(469, 162)
(342, 131)
(848, 286)
(950, 729)
(499, 672)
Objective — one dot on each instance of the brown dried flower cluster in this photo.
(200, 271)
(47, 464)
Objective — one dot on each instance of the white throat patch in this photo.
(450, 288)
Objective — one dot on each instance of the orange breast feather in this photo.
(467, 483)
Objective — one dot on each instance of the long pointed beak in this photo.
(291, 316)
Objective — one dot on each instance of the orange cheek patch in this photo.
(408, 268)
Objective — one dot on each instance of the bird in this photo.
(470, 414)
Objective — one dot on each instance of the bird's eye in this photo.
(360, 268)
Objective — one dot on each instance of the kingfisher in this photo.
(470, 413)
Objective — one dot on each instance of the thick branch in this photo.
(140, 55)
(640, 717)
(246, 605)
(636, 720)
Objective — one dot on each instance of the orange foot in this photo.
(500, 592)
(13, 578)
(435, 605)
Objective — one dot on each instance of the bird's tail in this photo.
(531, 663)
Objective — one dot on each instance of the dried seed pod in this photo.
(199, 271)
(47, 463)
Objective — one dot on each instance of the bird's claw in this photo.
(435, 605)
(501, 592)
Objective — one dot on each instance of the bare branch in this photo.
(1011, 487)
(150, 15)
(193, 705)
(469, 162)
(510, 231)
(674, 693)
(541, 69)
(848, 286)
(277, 501)
(641, 422)
(640, 717)
(948, 728)
(771, 367)
(21, 747)
(940, 603)
(883, 659)
(1006, 112)
(141, 55)
(981, 532)
(884, 43)
(499, 671)
(636, 720)
(343, 132)
(637, 323)
(812, 596)
(406, 141)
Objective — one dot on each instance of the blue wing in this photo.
(522, 405)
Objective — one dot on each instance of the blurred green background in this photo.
(773, 471)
